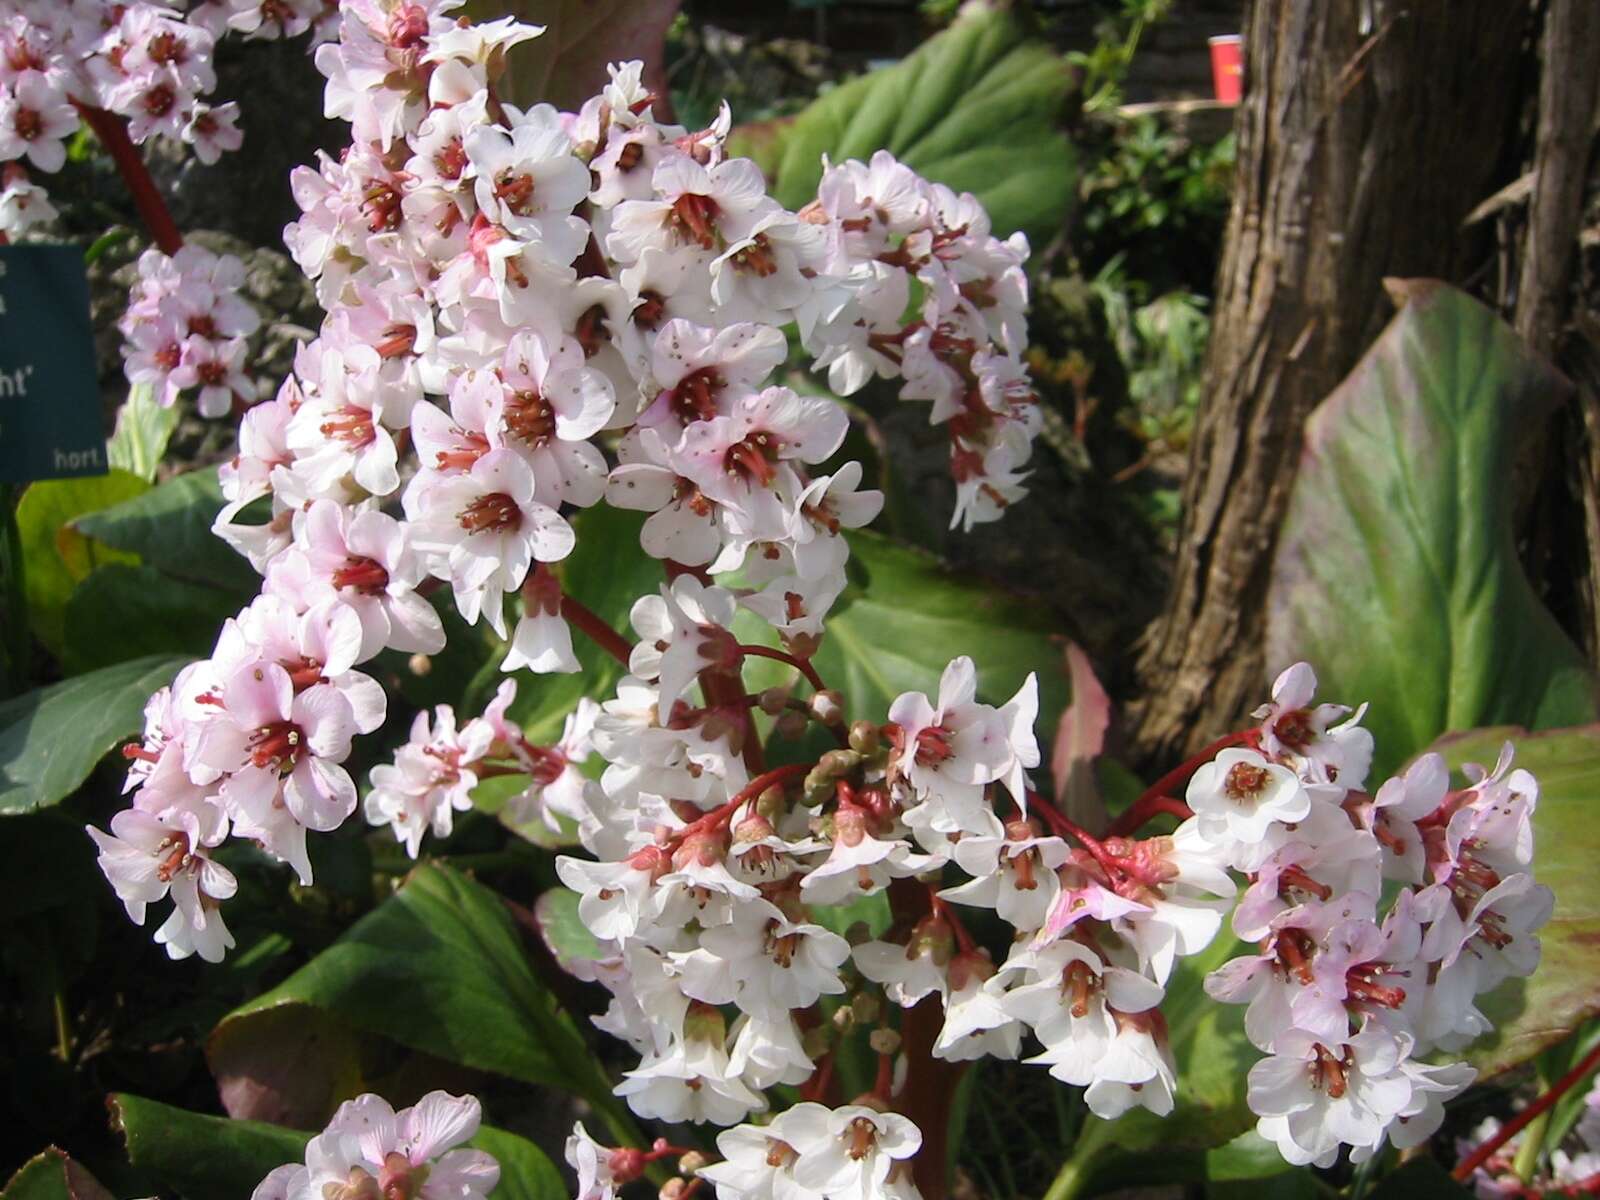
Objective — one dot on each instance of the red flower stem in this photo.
(113, 135)
(882, 1085)
(748, 793)
(1511, 1128)
(803, 665)
(1141, 810)
(1113, 865)
(816, 1087)
(596, 629)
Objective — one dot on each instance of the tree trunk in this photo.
(1368, 131)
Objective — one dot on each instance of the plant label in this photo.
(50, 422)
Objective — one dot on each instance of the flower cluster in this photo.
(515, 299)
(142, 61)
(369, 1150)
(186, 326)
(1342, 998)
(711, 890)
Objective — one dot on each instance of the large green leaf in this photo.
(53, 1175)
(437, 967)
(1531, 1014)
(51, 738)
(201, 1157)
(122, 611)
(976, 107)
(55, 556)
(1396, 574)
(169, 527)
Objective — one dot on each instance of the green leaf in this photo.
(55, 556)
(976, 107)
(901, 620)
(121, 612)
(51, 738)
(446, 945)
(571, 944)
(53, 1175)
(201, 1157)
(169, 527)
(607, 572)
(214, 1158)
(1531, 1014)
(1419, 1179)
(143, 429)
(1396, 574)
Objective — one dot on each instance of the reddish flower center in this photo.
(530, 417)
(491, 514)
(366, 575)
(693, 218)
(279, 745)
(695, 397)
(1244, 781)
(351, 425)
(754, 458)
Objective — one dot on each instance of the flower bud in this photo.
(827, 707)
(884, 1040)
(864, 738)
(419, 664)
(694, 1161)
(773, 700)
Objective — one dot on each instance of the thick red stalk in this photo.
(597, 631)
(113, 135)
(1141, 810)
(1511, 1128)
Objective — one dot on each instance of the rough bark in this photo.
(1369, 129)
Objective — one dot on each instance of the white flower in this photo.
(1239, 796)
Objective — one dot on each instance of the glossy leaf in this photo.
(122, 611)
(571, 944)
(53, 1175)
(214, 1158)
(607, 572)
(1396, 574)
(51, 738)
(901, 620)
(976, 107)
(169, 527)
(1532, 1014)
(55, 556)
(143, 430)
(446, 945)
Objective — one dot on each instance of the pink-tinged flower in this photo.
(23, 204)
(1292, 729)
(369, 1149)
(213, 130)
(281, 753)
(431, 779)
(699, 209)
(545, 404)
(217, 369)
(859, 863)
(148, 856)
(366, 559)
(556, 785)
(35, 119)
(528, 181)
(683, 631)
(482, 530)
(949, 750)
(1399, 804)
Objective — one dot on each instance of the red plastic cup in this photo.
(1227, 67)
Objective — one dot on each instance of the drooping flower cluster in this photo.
(370, 1150)
(186, 326)
(145, 62)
